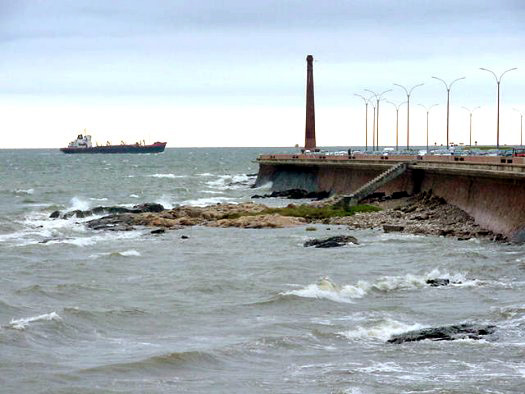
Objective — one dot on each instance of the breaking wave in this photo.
(203, 202)
(171, 176)
(232, 182)
(21, 324)
(327, 289)
(382, 330)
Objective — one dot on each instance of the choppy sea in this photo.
(233, 310)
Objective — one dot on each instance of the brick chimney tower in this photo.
(309, 143)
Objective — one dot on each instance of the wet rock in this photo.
(158, 231)
(391, 228)
(120, 222)
(76, 213)
(148, 207)
(445, 333)
(332, 242)
(295, 194)
(438, 282)
(184, 237)
(54, 215)
(114, 210)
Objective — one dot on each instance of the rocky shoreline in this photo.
(423, 214)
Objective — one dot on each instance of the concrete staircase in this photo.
(370, 187)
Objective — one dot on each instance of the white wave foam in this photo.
(171, 176)
(203, 202)
(231, 182)
(267, 185)
(212, 192)
(130, 252)
(24, 191)
(205, 174)
(79, 204)
(165, 202)
(382, 330)
(98, 199)
(411, 281)
(20, 324)
(134, 196)
(326, 289)
(126, 253)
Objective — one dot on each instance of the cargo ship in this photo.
(82, 144)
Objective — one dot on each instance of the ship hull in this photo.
(110, 149)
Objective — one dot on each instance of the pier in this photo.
(489, 188)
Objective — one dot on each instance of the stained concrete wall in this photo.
(497, 204)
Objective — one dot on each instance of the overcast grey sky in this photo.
(214, 57)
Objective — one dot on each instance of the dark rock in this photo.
(376, 196)
(445, 333)
(184, 237)
(408, 209)
(397, 195)
(54, 215)
(390, 228)
(438, 282)
(158, 231)
(332, 242)
(446, 231)
(76, 213)
(295, 194)
(148, 207)
(119, 222)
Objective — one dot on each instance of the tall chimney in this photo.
(309, 143)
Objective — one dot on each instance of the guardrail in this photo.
(502, 160)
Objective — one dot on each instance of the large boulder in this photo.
(332, 242)
(445, 333)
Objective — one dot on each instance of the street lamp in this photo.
(448, 98)
(378, 98)
(408, 92)
(373, 127)
(521, 126)
(470, 112)
(397, 119)
(428, 110)
(366, 100)
(498, 81)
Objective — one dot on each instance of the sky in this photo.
(232, 72)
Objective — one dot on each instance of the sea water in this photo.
(233, 310)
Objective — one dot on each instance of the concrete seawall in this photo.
(490, 189)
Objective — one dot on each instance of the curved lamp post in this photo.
(397, 119)
(498, 81)
(470, 112)
(366, 100)
(373, 127)
(521, 125)
(408, 92)
(428, 110)
(447, 86)
(378, 98)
